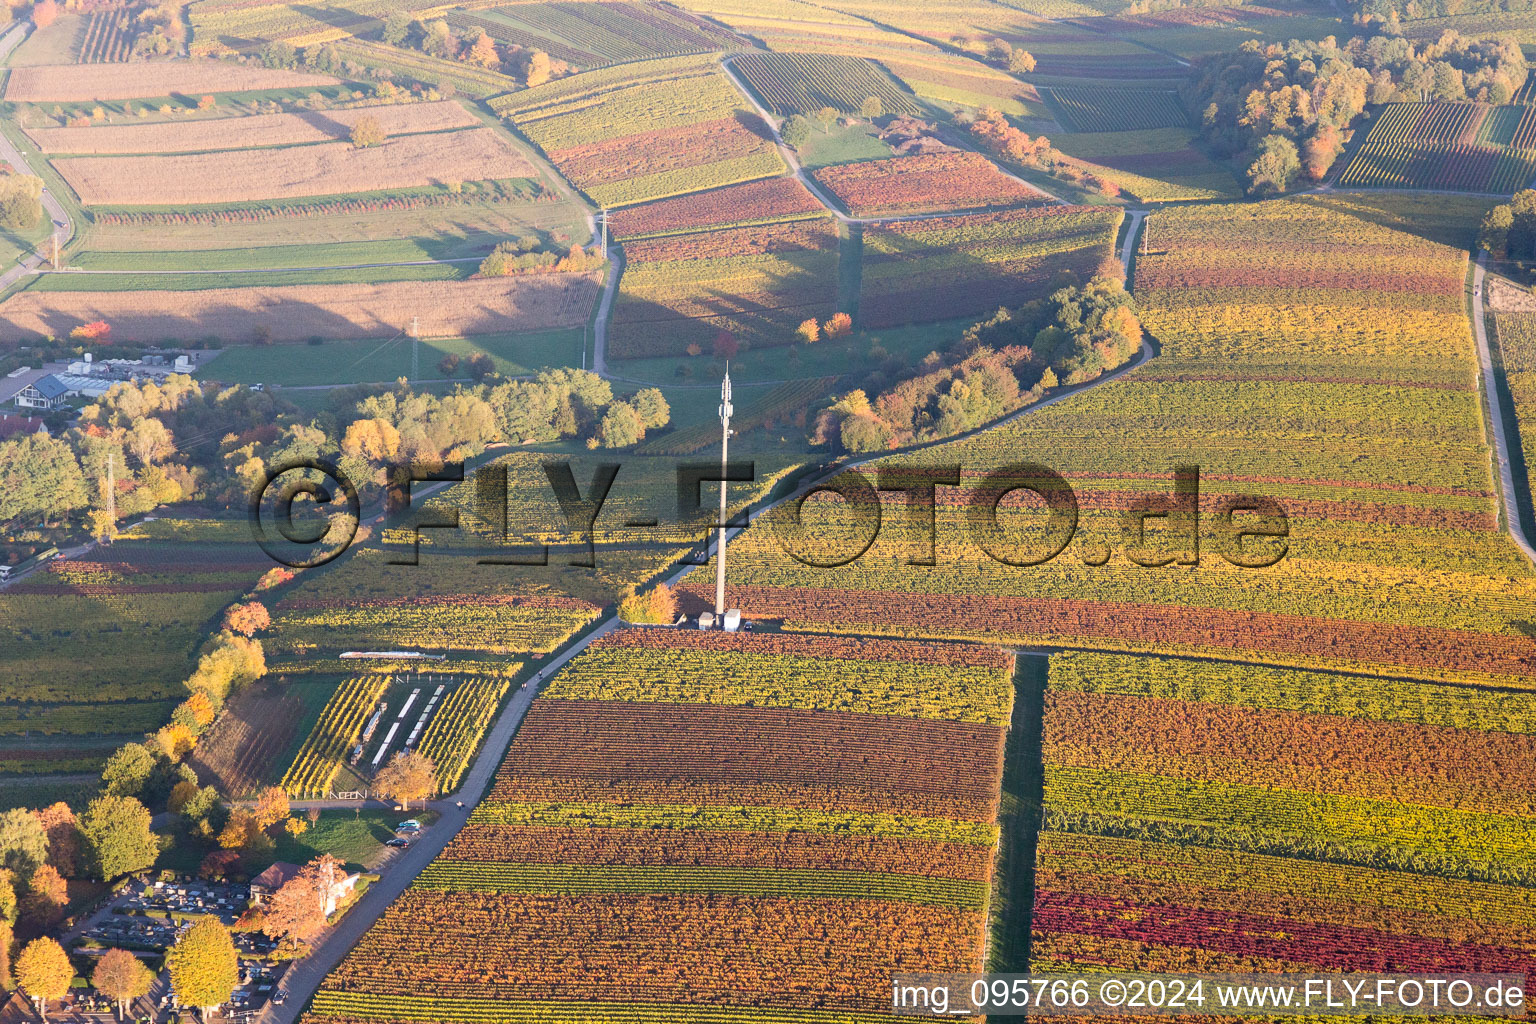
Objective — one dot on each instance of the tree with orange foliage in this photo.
(839, 326)
(483, 52)
(271, 806)
(45, 13)
(246, 619)
(809, 331)
(96, 331)
(47, 896)
(58, 823)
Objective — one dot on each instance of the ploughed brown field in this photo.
(78, 83)
(299, 312)
(246, 132)
(327, 169)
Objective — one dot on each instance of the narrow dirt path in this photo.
(792, 159)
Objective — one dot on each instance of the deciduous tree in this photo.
(122, 978)
(297, 911)
(1275, 167)
(367, 132)
(128, 769)
(203, 965)
(23, 842)
(47, 897)
(43, 973)
(58, 822)
(117, 837)
(271, 806)
(248, 618)
(410, 775)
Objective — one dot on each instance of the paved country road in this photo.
(304, 978)
(9, 153)
(1501, 459)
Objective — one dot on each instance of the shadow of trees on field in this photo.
(57, 313)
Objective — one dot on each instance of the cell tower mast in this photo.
(111, 495)
(415, 352)
(725, 443)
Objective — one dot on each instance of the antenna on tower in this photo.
(111, 495)
(726, 410)
(602, 219)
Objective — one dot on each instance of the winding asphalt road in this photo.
(304, 978)
(1501, 458)
(29, 263)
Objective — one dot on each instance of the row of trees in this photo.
(159, 439)
(436, 38)
(1282, 108)
(993, 133)
(180, 440)
(203, 965)
(1391, 12)
(1073, 335)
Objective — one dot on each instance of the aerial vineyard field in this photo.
(1157, 165)
(411, 65)
(644, 141)
(257, 130)
(456, 729)
(931, 183)
(1311, 323)
(964, 83)
(107, 37)
(330, 741)
(1463, 147)
(233, 24)
(591, 35)
(923, 270)
(786, 404)
(444, 308)
(1117, 110)
(330, 168)
(753, 202)
(757, 283)
(800, 83)
(534, 879)
(74, 685)
(496, 625)
(87, 82)
(1365, 798)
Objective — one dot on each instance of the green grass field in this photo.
(336, 254)
(443, 232)
(59, 43)
(846, 355)
(842, 145)
(351, 362)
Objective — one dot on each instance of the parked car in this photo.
(410, 825)
(398, 843)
